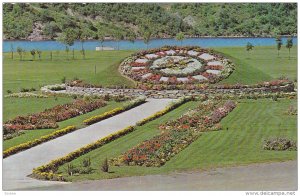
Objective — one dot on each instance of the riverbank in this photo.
(170, 37)
(206, 42)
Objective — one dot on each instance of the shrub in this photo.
(106, 97)
(70, 169)
(164, 111)
(43, 170)
(292, 110)
(86, 170)
(115, 111)
(9, 91)
(105, 166)
(30, 144)
(74, 96)
(63, 80)
(32, 89)
(23, 90)
(279, 144)
(86, 162)
(25, 95)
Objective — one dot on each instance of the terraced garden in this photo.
(199, 132)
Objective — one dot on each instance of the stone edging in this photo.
(171, 94)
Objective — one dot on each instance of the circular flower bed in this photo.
(177, 65)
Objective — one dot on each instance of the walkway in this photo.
(18, 166)
(281, 176)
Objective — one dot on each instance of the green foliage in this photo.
(68, 36)
(278, 43)
(289, 45)
(203, 19)
(180, 37)
(20, 52)
(105, 166)
(39, 52)
(249, 46)
(86, 162)
(33, 52)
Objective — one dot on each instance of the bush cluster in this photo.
(24, 146)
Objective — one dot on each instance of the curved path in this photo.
(281, 176)
(18, 166)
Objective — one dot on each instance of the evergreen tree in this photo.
(180, 37)
(33, 52)
(249, 46)
(279, 44)
(289, 45)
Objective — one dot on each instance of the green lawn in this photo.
(261, 64)
(250, 123)
(77, 121)
(27, 74)
(13, 107)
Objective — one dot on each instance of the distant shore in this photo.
(140, 38)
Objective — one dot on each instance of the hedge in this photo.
(115, 111)
(46, 172)
(30, 144)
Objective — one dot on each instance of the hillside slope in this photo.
(36, 21)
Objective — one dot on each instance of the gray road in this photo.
(18, 166)
(281, 176)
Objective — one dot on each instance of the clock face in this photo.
(176, 65)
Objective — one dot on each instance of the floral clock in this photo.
(176, 65)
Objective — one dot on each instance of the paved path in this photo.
(18, 166)
(281, 176)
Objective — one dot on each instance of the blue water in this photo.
(139, 44)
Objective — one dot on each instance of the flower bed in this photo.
(47, 172)
(172, 106)
(279, 144)
(176, 65)
(158, 150)
(27, 145)
(26, 95)
(115, 111)
(49, 117)
(176, 135)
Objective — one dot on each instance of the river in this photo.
(139, 44)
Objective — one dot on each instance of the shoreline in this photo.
(164, 38)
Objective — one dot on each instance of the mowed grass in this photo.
(260, 64)
(34, 74)
(13, 106)
(76, 121)
(248, 125)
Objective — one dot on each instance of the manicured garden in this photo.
(176, 65)
(240, 141)
(224, 131)
(31, 135)
(261, 64)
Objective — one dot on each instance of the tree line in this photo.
(130, 20)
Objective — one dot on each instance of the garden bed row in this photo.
(47, 172)
(49, 117)
(30, 144)
(136, 102)
(176, 135)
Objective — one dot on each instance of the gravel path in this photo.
(281, 176)
(18, 166)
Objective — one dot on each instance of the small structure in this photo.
(98, 48)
